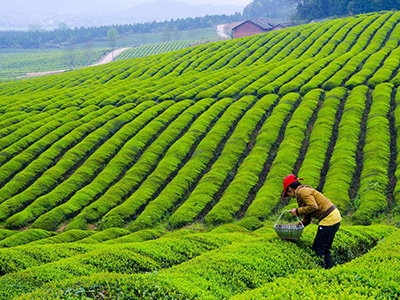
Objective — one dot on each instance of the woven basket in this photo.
(289, 231)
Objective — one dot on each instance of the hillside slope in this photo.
(207, 134)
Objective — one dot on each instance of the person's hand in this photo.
(293, 212)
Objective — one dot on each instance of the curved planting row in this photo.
(47, 159)
(130, 186)
(269, 194)
(90, 168)
(178, 161)
(124, 258)
(250, 171)
(58, 130)
(342, 165)
(115, 168)
(374, 178)
(212, 182)
(72, 159)
(336, 65)
(372, 45)
(218, 274)
(322, 136)
(377, 59)
(151, 49)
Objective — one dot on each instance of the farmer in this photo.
(313, 204)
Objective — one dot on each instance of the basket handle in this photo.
(283, 213)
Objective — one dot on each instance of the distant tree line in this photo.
(63, 36)
(273, 9)
(318, 9)
(314, 9)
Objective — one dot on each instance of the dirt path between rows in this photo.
(106, 59)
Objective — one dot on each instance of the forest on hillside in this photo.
(306, 10)
(64, 37)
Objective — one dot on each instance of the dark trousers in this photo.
(323, 243)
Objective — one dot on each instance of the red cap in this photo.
(288, 181)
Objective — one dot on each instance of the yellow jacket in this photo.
(313, 204)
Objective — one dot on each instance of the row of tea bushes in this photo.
(25, 237)
(55, 131)
(376, 60)
(321, 136)
(342, 165)
(268, 196)
(27, 135)
(373, 276)
(215, 180)
(250, 171)
(69, 161)
(116, 167)
(312, 61)
(123, 258)
(339, 56)
(374, 178)
(370, 40)
(37, 167)
(134, 122)
(207, 151)
(177, 154)
(218, 274)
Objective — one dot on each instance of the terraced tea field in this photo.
(151, 49)
(190, 148)
(28, 61)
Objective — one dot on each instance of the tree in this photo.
(88, 52)
(34, 28)
(62, 26)
(166, 34)
(70, 54)
(112, 37)
(176, 34)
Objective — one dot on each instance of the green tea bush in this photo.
(374, 176)
(218, 274)
(268, 196)
(250, 170)
(24, 237)
(321, 136)
(105, 235)
(191, 172)
(217, 178)
(116, 167)
(122, 258)
(167, 166)
(89, 168)
(373, 276)
(342, 165)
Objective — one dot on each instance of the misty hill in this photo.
(48, 14)
(165, 10)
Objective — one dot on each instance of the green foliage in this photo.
(374, 180)
(217, 274)
(342, 165)
(247, 176)
(25, 237)
(151, 49)
(121, 258)
(268, 196)
(363, 278)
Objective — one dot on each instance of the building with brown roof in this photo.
(251, 27)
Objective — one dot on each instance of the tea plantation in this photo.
(160, 177)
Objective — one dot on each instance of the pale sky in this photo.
(218, 2)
